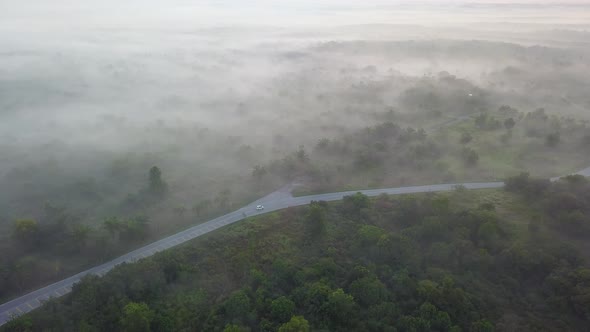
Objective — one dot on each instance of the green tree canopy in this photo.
(282, 309)
(353, 204)
(341, 308)
(316, 220)
(237, 306)
(136, 317)
(296, 324)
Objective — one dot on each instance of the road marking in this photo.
(56, 292)
(38, 301)
(30, 306)
(19, 310)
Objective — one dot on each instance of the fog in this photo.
(93, 94)
(80, 80)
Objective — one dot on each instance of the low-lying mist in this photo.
(93, 96)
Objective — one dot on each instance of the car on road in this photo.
(259, 207)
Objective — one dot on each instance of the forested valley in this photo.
(491, 260)
(61, 240)
(188, 138)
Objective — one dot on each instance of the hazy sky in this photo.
(31, 14)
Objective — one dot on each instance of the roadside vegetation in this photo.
(460, 261)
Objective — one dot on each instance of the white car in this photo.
(259, 207)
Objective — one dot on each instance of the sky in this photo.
(33, 14)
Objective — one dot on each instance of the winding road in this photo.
(277, 200)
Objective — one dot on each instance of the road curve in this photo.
(277, 200)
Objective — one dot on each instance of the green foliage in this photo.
(135, 228)
(113, 225)
(566, 203)
(354, 204)
(296, 324)
(80, 235)
(381, 155)
(235, 328)
(316, 220)
(525, 185)
(413, 324)
(415, 263)
(312, 297)
(482, 326)
(136, 317)
(368, 291)
(281, 309)
(237, 306)
(19, 324)
(341, 309)
(369, 235)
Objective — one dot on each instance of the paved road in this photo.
(277, 200)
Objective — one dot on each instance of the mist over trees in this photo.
(133, 120)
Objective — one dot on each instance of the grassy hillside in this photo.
(461, 261)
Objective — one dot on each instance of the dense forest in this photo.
(491, 260)
(85, 223)
(375, 114)
(134, 120)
